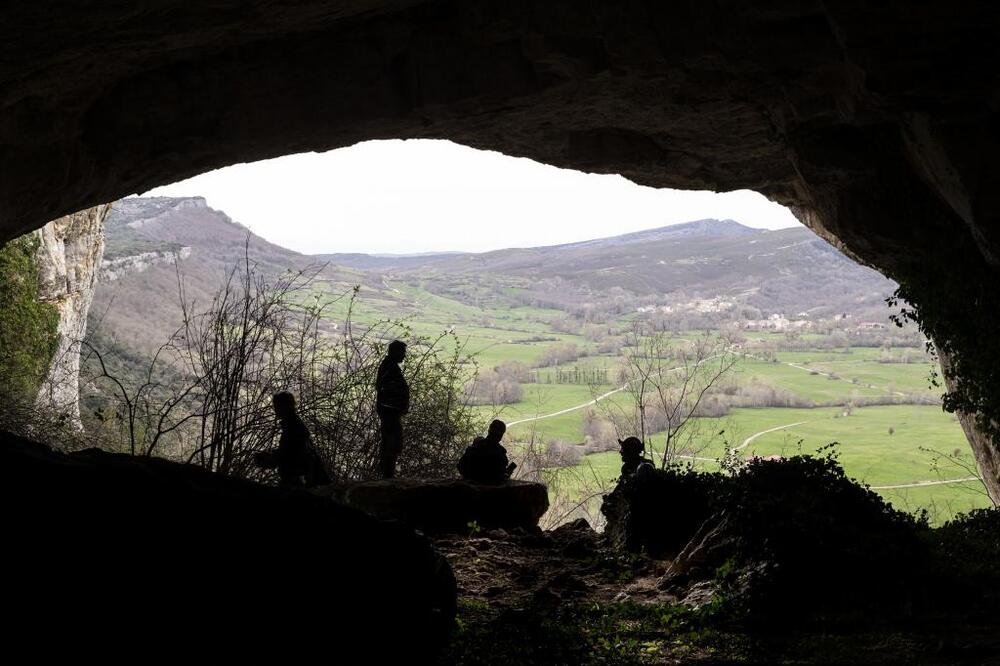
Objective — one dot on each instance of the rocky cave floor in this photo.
(566, 597)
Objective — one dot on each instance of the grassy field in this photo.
(825, 378)
(814, 387)
(864, 446)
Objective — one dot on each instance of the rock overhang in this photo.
(805, 102)
(877, 123)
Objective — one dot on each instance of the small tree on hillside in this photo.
(668, 381)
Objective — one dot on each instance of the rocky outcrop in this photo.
(447, 505)
(114, 269)
(105, 551)
(69, 260)
(986, 453)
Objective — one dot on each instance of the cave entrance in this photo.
(559, 289)
(876, 122)
(864, 131)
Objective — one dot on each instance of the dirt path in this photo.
(570, 409)
(748, 440)
(920, 484)
(830, 376)
(584, 405)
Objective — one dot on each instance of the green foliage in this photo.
(962, 320)
(588, 633)
(775, 532)
(28, 328)
(967, 550)
(127, 243)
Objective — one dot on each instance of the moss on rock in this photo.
(28, 326)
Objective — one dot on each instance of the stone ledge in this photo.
(167, 547)
(446, 505)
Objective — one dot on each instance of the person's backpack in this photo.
(466, 464)
(315, 473)
(481, 464)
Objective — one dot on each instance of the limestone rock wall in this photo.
(69, 262)
(985, 451)
(113, 269)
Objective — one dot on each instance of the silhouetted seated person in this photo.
(485, 460)
(297, 461)
(632, 450)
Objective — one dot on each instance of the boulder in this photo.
(440, 506)
(106, 549)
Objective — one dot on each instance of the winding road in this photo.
(605, 395)
(748, 440)
(919, 484)
(571, 409)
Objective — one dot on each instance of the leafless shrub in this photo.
(56, 428)
(599, 433)
(263, 334)
(490, 387)
(667, 380)
(957, 463)
(566, 352)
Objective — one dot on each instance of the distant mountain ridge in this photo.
(788, 270)
(198, 244)
(782, 270)
(382, 262)
(709, 227)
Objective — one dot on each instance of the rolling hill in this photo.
(788, 270)
(161, 240)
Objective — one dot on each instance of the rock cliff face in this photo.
(114, 269)
(69, 261)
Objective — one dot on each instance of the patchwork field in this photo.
(914, 455)
(563, 314)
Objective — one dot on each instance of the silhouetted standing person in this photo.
(392, 400)
(295, 457)
(485, 461)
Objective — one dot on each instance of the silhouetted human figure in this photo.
(631, 450)
(485, 460)
(392, 401)
(297, 461)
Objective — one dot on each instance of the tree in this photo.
(667, 380)
(206, 396)
(493, 387)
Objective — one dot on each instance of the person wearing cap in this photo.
(632, 450)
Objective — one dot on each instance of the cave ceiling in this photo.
(876, 121)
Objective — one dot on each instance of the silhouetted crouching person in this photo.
(392, 401)
(485, 461)
(632, 459)
(297, 461)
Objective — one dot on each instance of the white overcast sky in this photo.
(421, 196)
